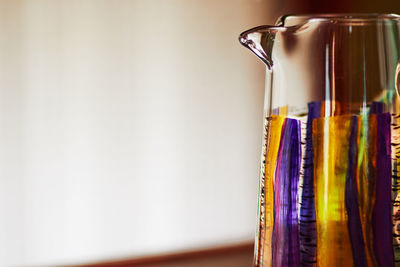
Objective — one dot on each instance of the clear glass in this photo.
(329, 179)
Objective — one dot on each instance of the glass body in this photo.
(329, 180)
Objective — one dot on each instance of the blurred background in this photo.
(132, 128)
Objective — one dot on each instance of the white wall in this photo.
(126, 127)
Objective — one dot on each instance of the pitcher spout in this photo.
(260, 41)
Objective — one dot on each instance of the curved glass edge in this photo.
(347, 18)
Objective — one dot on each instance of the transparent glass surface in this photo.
(329, 179)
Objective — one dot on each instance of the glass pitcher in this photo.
(330, 172)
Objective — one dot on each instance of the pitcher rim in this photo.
(338, 17)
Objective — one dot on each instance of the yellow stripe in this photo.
(366, 177)
(273, 141)
(331, 143)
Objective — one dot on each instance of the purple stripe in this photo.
(285, 236)
(376, 107)
(354, 222)
(308, 232)
(295, 160)
(382, 213)
(279, 241)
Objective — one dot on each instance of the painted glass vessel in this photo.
(330, 172)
